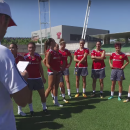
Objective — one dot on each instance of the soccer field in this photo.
(81, 113)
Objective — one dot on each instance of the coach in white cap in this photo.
(11, 82)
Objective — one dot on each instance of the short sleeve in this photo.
(13, 81)
(125, 58)
(40, 58)
(87, 51)
(75, 53)
(68, 53)
(92, 53)
(111, 57)
(10, 76)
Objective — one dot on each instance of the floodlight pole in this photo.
(86, 20)
(40, 25)
(44, 22)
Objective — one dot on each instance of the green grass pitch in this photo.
(80, 113)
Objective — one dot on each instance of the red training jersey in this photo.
(55, 60)
(80, 54)
(118, 59)
(33, 67)
(19, 58)
(65, 55)
(97, 65)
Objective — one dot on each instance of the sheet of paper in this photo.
(22, 65)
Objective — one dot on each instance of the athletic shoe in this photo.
(70, 96)
(65, 101)
(46, 112)
(101, 95)
(57, 104)
(84, 95)
(77, 95)
(53, 101)
(127, 100)
(110, 97)
(119, 98)
(32, 113)
(22, 114)
(93, 94)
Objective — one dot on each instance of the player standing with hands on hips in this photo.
(98, 68)
(14, 49)
(11, 81)
(65, 53)
(117, 73)
(80, 57)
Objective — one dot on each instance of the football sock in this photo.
(68, 91)
(44, 105)
(112, 93)
(30, 106)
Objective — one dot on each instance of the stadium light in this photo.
(44, 21)
(86, 20)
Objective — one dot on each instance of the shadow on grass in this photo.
(76, 105)
(40, 121)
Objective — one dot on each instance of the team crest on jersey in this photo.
(120, 57)
(101, 53)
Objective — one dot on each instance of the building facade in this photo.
(70, 34)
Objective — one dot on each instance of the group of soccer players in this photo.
(57, 63)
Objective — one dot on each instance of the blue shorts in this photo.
(35, 84)
(117, 75)
(98, 74)
(65, 72)
(81, 71)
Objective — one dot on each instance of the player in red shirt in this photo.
(53, 63)
(65, 53)
(98, 68)
(36, 78)
(14, 49)
(117, 66)
(80, 57)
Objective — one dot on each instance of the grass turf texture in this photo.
(80, 113)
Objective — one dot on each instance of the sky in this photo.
(110, 15)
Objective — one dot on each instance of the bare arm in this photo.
(44, 61)
(127, 62)
(21, 98)
(70, 61)
(110, 63)
(82, 60)
(42, 73)
(99, 58)
(75, 59)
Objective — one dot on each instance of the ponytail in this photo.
(47, 44)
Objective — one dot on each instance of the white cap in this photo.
(5, 9)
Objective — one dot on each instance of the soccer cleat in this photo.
(70, 96)
(84, 95)
(32, 113)
(127, 100)
(53, 101)
(46, 112)
(119, 98)
(110, 97)
(101, 95)
(77, 95)
(93, 94)
(22, 114)
(57, 104)
(65, 101)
